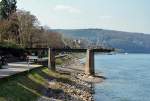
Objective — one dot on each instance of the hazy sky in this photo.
(124, 15)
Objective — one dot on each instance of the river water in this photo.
(128, 77)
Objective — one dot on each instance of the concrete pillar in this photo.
(51, 59)
(89, 66)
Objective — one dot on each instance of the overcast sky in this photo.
(123, 15)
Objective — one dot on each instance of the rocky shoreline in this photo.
(79, 87)
(76, 90)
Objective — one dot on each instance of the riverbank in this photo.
(75, 69)
(78, 87)
(68, 83)
(44, 85)
(75, 66)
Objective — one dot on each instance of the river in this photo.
(128, 77)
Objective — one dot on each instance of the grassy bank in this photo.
(67, 59)
(32, 85)
(28, 87)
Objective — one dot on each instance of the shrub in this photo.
(11, 48)
(9, 45)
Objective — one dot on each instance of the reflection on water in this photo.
(128, 77)
(92, 91)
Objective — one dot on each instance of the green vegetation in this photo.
(128, 42)
(21, 28)
(59, 61)
(68, 58)
(9, 45)
(28, 87)
(13, 49)
(7, 7)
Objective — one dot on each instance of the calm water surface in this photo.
(128, 77)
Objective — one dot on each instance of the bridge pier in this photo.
(89, 66)
(51, 59)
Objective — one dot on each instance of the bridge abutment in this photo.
(89, 66)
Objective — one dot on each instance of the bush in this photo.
(11, 48)
(9, 45)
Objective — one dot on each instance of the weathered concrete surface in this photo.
(89, 66)
(51, 59)
(15, 68)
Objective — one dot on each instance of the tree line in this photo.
(22, 29)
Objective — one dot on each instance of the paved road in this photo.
(14, 68)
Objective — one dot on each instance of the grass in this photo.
(28, 87)
(59, 61)
(66, 59)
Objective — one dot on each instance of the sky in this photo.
(122, 15)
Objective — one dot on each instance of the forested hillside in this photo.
(128, 42)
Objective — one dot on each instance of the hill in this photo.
(127, 41)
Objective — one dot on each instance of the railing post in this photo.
(51, 59)
(89, 67)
